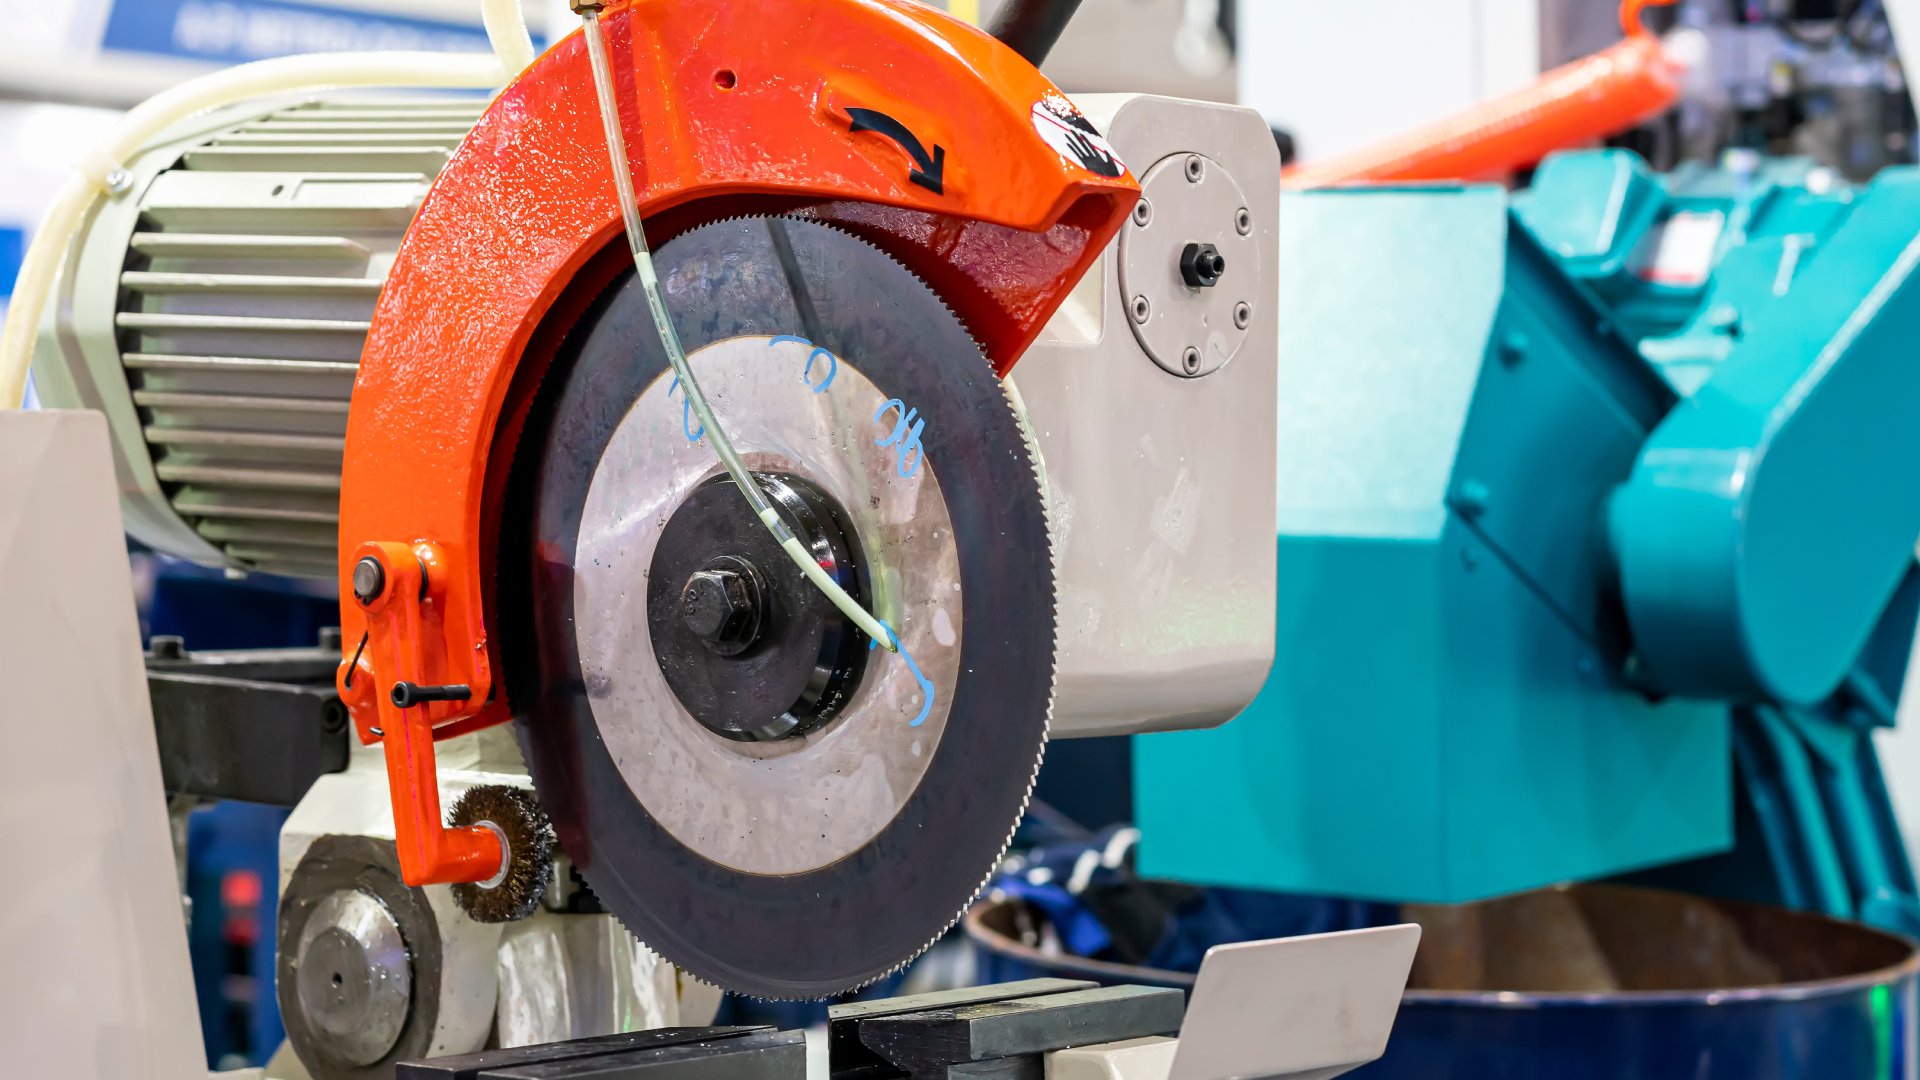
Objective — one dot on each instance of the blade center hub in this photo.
(753, 650)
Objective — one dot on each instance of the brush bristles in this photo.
(529, 836)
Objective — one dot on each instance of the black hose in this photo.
(1030, 27)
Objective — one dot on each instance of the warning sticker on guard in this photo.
(1074, 136)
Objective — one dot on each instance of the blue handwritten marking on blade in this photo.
(806, 373)
(686, 414)
(905, 437)
(833, 368)
(926, 684)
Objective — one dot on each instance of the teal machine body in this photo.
(1596, 543)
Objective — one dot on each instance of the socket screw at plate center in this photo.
(1202, 265)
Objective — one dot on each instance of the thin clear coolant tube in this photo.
(670, 339)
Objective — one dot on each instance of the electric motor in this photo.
(216, 306)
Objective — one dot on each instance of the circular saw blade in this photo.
(816, 863)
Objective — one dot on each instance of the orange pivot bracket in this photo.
(400, 587)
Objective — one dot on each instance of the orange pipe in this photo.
(1589, 99)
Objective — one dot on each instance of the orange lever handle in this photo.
(395, 589)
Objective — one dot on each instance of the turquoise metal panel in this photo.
(1560, 412)
(1555, 495)
(1437, 727)
(1605, 217)
(1552, 770)
(1431, 732)
(1592, 210)
(1315, 787)
(1769, 523)
(1373, 397)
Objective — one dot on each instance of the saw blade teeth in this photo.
(1037, 466)
(1036, 463)
(1028, 444)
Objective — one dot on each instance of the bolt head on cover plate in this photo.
(1196, 263)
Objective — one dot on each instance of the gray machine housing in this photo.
(1162, 484)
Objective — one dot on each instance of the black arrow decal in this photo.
(931, 173)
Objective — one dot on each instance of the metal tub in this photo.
(1605, 981)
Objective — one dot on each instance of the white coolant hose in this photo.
(716, 436)
(103, 171)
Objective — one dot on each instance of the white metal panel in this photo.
(53, 51)
(1904, 17)
(1305, 1007)
(1170, 47)
(1302, 1008)
(1132, 1059)
(1343, 76)
(92, 933)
